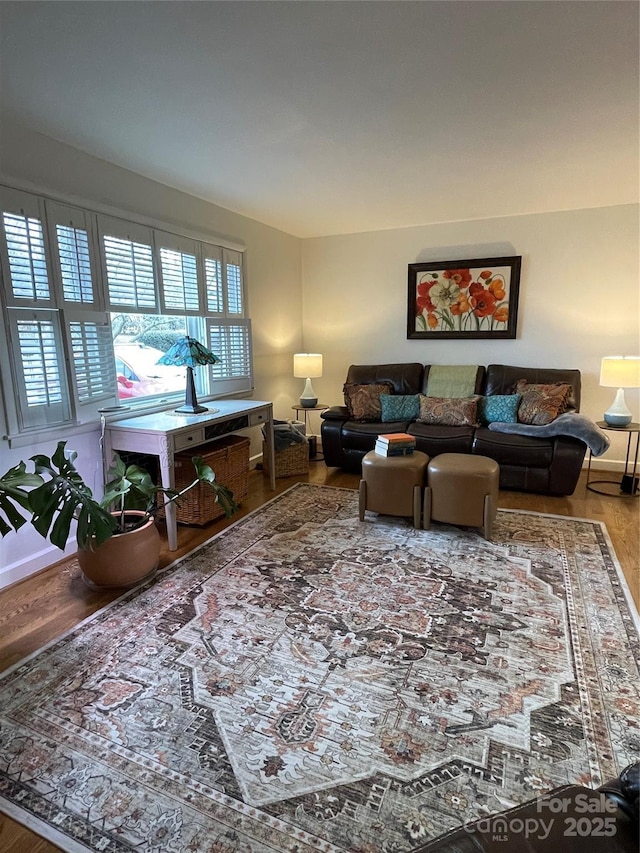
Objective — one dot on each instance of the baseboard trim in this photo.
(616, 465)
(21, 569)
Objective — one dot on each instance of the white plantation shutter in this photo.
(128, 262)
(230, 340)
(74, 258)
(178, 274)
(212, 256)
(42, 394)
(234, 286)
(92, 350)
(23, 249)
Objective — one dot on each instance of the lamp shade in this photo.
(620, 371)
(307, 365)
(188, 351)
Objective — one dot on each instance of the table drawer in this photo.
(257, 418)
(188, 439)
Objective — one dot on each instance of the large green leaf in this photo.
(13, 494)
(63, 498)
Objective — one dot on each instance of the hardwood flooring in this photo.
(44, 606)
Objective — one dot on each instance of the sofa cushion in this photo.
(363, 401)
(514, 449)
(399, 407)
(541, 404)
(433, 439)
(498, 407)
(361, 435)
(448, 411)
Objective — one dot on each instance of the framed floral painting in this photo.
(472, 298)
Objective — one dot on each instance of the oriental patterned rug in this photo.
(307, 682)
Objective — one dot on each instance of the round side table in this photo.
(313, 441)
(627, 487)
(297, 409)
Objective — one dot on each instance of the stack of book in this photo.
(395, 444)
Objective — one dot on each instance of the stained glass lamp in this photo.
(190, 352)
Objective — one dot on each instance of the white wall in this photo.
(273, 269)
(579, 297)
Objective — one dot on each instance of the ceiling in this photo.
(338, 117)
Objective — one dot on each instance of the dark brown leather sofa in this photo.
(544, 465)
(571, 819)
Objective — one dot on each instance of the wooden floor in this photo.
(44, 606)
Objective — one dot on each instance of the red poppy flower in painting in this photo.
(461, 277)
(423, 299)
(483, 303)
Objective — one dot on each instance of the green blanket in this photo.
(452, 380)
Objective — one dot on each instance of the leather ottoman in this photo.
(392, 485)
(462, 489)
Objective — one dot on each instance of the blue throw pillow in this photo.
(399, 407)
(498, 407)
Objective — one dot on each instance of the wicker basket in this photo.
(229, 459)
(290, 461)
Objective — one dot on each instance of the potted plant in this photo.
(118, 542)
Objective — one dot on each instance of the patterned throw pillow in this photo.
(363, 401)
(541, 404)
(448, 411)
(498, 407)
(399, 407)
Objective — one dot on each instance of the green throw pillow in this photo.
(499, 407)
(399, 407)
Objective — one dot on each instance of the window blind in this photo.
(233, 270)
(26, 253)
(230, 340)
(38, 356)
(92, 348)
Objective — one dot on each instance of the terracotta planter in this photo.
(124, 559)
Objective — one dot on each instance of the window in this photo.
(92, 302)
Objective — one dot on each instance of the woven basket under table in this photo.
(229, 459)
(290, 461)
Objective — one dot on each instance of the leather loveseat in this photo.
(531, 464)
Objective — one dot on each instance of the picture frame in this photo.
(468, 298)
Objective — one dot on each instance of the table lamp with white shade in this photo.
(308, 366)
(619, 371)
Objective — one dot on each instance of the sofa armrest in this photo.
(335, 413)
(565, 469)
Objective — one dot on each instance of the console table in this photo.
(164, 433)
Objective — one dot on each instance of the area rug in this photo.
(308, 682)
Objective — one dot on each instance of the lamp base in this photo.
(618, 415)
(191, 410)
(308, 399)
